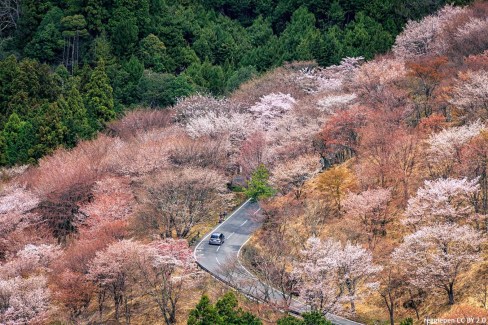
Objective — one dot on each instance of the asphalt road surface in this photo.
(223, 263)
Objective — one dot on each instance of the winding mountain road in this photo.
(223, 263)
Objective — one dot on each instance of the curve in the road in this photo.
(223, 262)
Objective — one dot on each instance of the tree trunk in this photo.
(353, 306)
(450, 293)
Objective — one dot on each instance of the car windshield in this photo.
(215, 236)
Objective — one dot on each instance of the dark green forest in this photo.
(69, 67)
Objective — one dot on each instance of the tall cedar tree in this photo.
(99, 97)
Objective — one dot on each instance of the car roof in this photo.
(216, 234)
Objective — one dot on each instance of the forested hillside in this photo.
(69, 67)
(372, 177)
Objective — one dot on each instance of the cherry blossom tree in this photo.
(317, 275)
(442, 200)
(32, 258)
(445, 147)
(73, 291)
(252, 153)
(332, 274)
(15, 204)
(177, 200)
(65, 169)
(293, 135)
(203, 152)
(216, 124)
(422, 38)
(340, 134)
(171, 273)
(470, 93)
(392, 288)
(200, 105)
(160, 269)
(112, 200)
(141, 120)
(448, 245)
(372, 78)
(329, 103)
(112, 270)
(355, 269)
(474, 164)
(316, 79)
(271, 107)
(469, 38)
(18, 199)
(370, 210)
(291, 175)
(24, 300)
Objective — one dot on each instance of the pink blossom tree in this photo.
(372, 79)
(317, 277)
(445, 147)
(470, 93)
(161, 269)
(32, 258)
(330, 103)
(113, 269)
(442, 200)
(331, 274)
(112, 200)
(369, 209)
(24, 300)
(252, 153)
(435, 256)
(355, 269)
(171, 273)
(423, 37)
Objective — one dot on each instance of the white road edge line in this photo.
(213, 230)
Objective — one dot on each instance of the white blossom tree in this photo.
(435, 256)
(216, 124)
(442, 200)
(471, 38)
(271, 107)
(329, 103)
(355, 269)
(421, 38)
(159, 269)
(470, 93)
(32, 258)
(24, 300)
(445, 147)
(317, 277)
(370, 210)
(331, 274)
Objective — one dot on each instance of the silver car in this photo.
(216, 238)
